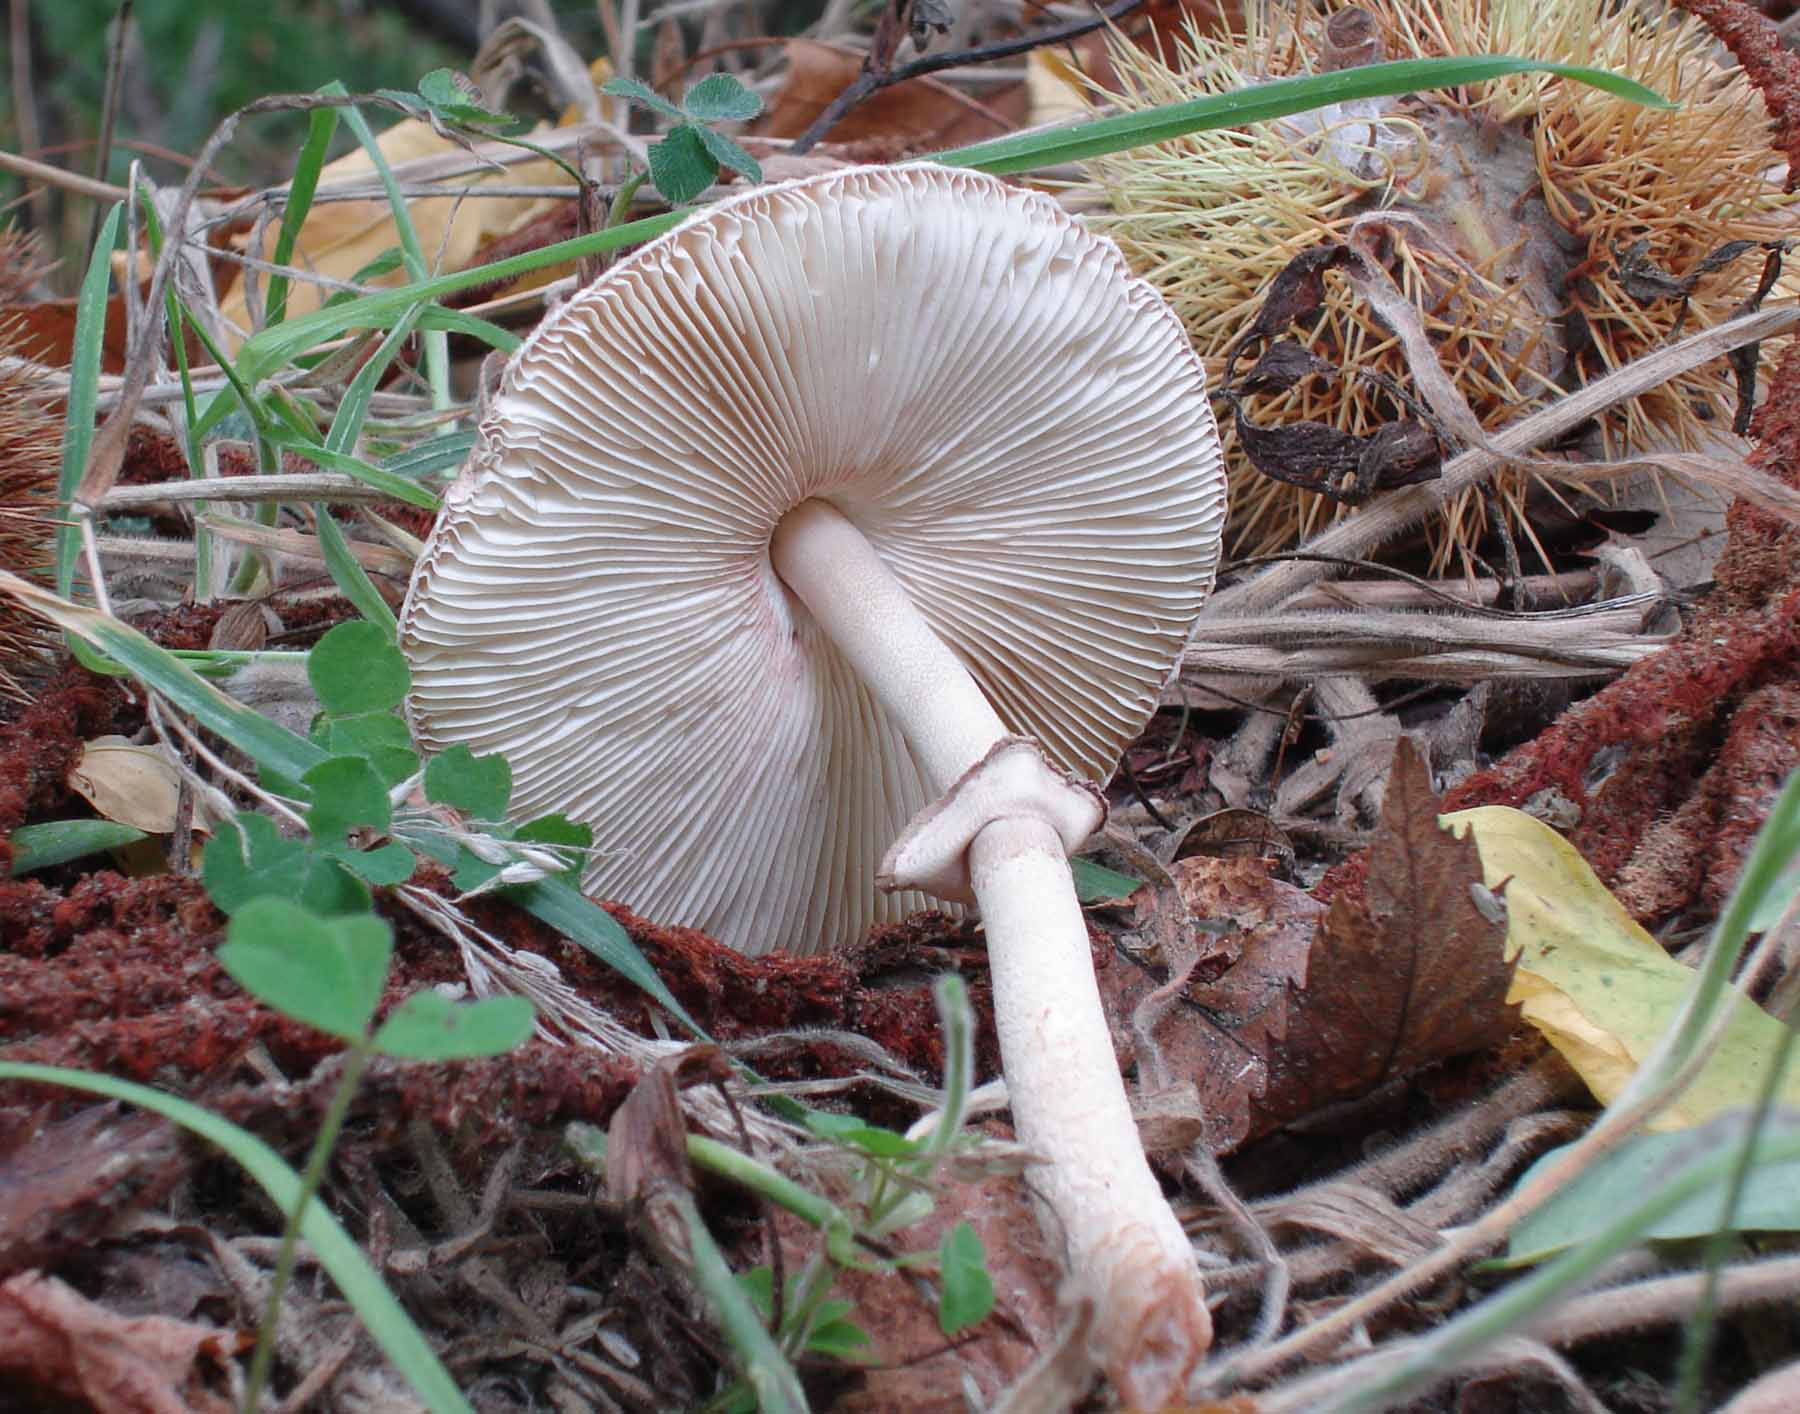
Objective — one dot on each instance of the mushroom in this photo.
(840, 538)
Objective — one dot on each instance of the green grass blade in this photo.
(84, 392)
(445, 453)
(565, 908)
(456, 321)
(321, 128)
(760, 1360)
(348, 574)
(353, 410)
(386, 482)
(1261, 102)
(274, 349)
(59, 841)
(437, 354)
(392, 1329)
(269, 745)
(1446, 1347)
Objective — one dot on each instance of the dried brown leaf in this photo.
(1292, 1007)
(917, 115)
(1407, 971)
(54, 1340)
(63, 1183)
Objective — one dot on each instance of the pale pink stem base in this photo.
(1108, 1216)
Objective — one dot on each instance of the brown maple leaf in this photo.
(1405, 972)
(1291, 1006)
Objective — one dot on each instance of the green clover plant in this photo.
(891, 1188)
(687, 159)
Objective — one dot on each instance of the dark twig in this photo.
(877, 74)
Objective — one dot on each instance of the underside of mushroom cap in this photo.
(1016, 424)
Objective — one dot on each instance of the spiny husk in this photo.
(30, 451)
(1512, 203)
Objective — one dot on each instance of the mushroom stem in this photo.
(868, 614)
(1110, 1218)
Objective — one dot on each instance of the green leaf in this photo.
(720, 98)
(326, 972)
(635, 92)
(250, 859)
(728, 154)
(759, 1286)
(859, 1134)
(479, 786)
(456, 96)
(428, 1026)
(1770, 1201)
(1095, 883)
(968, 1291)
(357, 668)
(380, 738)
(384, 866)
(837, 1339)
(1276, 99)
(59, 841)
(564, 833)
(321, 127)
(361, 1285)
(84, 392)
(680, 165)
(346, 794)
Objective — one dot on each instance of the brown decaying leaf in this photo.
(65, 1182)
(57, 1342)
(912, 1369)
(1293, 1006)
(918, 115)
(1409, 972)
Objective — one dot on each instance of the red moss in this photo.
(40, 745)
(1756, 44)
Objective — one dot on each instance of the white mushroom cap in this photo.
(1017, 425)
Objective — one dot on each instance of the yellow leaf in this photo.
(135, 785)
(1600, 988)
(1057, 88)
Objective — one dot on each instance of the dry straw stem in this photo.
(1500, 214)
(1427, 647)
(323, 486)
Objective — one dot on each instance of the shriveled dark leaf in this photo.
(646, 1144)
(1299, 290)
(1283, 364)
(1238, 833)
(1293, 1007)
(1338, 464)
(1646, 281)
